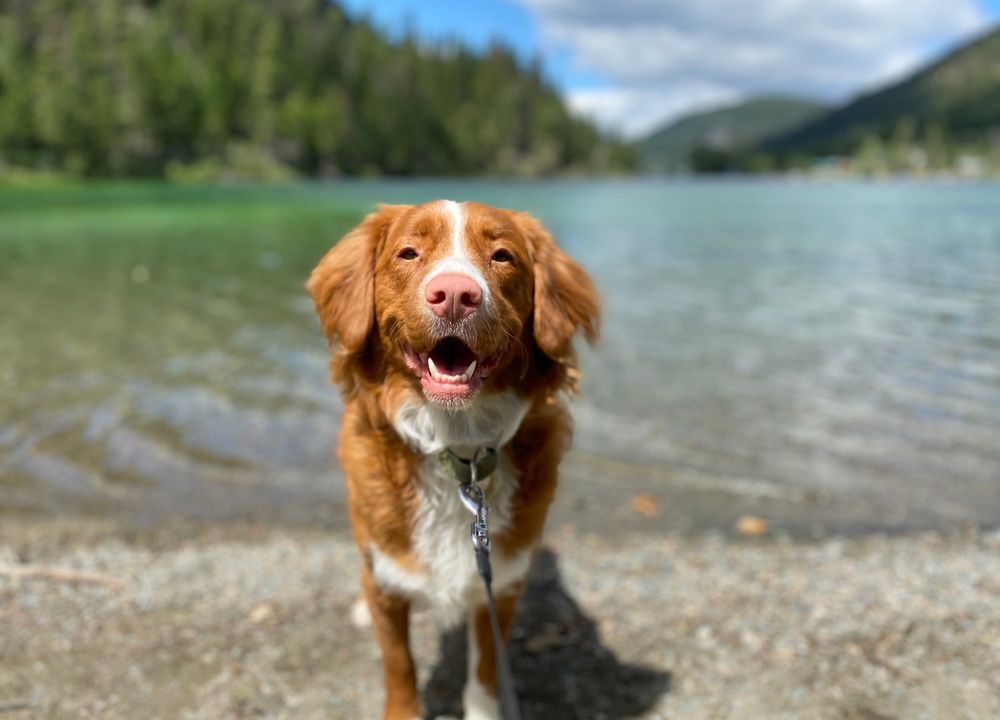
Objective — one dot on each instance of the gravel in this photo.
(249, 621)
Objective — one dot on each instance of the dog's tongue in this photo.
(451, 356)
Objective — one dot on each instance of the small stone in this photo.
(645, 504)
(265, 612)
(751, 526)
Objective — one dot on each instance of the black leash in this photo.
(473, 498)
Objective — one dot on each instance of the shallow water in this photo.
(158, 352)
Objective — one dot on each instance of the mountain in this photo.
(958, 96)
(726, 128)
(203, 89)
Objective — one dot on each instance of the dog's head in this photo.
(460, 298)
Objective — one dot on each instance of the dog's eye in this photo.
(502, 256)
(408, 254)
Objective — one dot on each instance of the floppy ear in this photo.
(343, 284)
(565, 297)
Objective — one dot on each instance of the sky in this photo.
(633, 65)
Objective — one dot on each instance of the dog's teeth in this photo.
(445, 377)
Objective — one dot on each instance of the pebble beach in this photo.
(244, 620)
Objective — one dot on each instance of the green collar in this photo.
(461, 468)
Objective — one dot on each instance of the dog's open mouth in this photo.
(451, 372)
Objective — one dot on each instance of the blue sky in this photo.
(634, 64)
(477, 23)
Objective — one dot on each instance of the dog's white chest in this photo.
(450, 583)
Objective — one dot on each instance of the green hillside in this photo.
(203, 89)
(723, 129)
(956, 100)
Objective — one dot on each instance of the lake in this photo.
(768, 339)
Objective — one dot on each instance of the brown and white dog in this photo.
(451, 327)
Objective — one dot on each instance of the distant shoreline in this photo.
(46, 181)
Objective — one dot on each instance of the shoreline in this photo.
(596, 494)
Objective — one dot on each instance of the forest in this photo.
(266, 89)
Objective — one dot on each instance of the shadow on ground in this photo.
(561, 668)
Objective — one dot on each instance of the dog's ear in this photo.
(343, 284)
(565, 297)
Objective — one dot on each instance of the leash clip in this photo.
(480, 530)
(474, 499)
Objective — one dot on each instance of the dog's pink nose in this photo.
(453, 296)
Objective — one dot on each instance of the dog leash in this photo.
(470, 472)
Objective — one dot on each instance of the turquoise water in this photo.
(158, 353)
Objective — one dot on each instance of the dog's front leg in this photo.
(391, 622)
(480, 695)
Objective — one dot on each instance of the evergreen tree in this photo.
(147, 87)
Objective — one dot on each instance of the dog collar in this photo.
(460, 468)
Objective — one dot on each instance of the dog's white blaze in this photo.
(457, 214)
(458, 260)
(479, 703)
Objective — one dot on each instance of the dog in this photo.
(451, 328)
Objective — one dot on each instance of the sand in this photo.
(183, 620)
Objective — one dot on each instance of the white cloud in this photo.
(636, 111)
(664, 57)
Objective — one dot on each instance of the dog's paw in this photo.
(361, 616)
